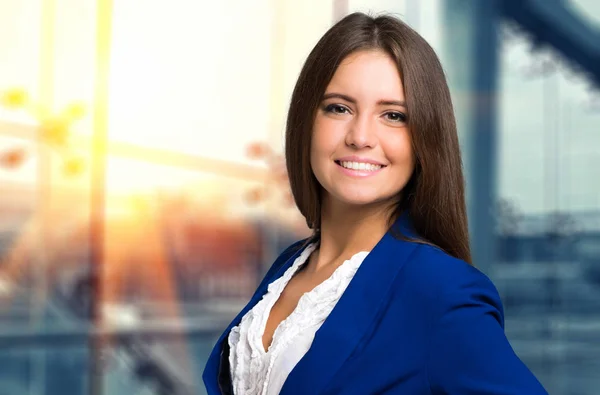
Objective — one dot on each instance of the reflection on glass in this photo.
(52, 370)
(548, 216)
(190, 219)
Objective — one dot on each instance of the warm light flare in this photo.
(14, 98)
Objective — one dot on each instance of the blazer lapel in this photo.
(214, 376)
(354, 313)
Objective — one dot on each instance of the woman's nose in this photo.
(361, 133)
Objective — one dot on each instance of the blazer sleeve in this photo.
(469, 353)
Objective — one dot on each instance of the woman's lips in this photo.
(360, 173)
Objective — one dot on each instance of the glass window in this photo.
(189, 211)
(547, 155)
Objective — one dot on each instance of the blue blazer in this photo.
(412, 321)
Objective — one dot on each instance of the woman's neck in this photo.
(347, 230)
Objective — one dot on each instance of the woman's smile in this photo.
(361, 151)
(359, 169)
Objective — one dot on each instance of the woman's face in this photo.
(361, 151)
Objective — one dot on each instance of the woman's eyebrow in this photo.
(400, 103)
(350, 99)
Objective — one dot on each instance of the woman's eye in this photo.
(336, 109)
(396, 116)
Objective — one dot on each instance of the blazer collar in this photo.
(345, 326)
(219, 352)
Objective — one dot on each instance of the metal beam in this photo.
(553, 22)
(148, 154)
(471, 60)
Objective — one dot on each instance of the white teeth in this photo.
(360, 166)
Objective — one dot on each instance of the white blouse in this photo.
(256, 372)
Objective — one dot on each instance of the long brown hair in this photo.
(434, 196)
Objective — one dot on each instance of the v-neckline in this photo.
(296, 269)
(291, 272)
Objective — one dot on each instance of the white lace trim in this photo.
(250, 365)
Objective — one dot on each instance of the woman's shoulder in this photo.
(440, 269)
(442, 279)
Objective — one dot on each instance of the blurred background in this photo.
(142, 196)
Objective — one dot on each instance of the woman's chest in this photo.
(286, 304)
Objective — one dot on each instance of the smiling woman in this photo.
(375, 98)
(382, 298)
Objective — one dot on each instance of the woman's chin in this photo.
(360, 201)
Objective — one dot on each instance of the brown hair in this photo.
(434, 195)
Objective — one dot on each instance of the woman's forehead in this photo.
(368, 75)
